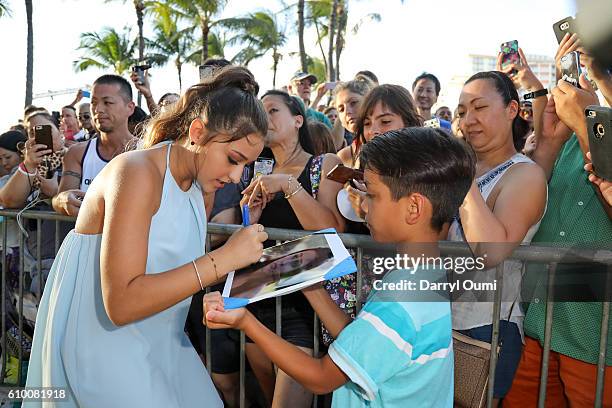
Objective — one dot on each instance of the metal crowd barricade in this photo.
(541, 254)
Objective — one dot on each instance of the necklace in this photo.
(295, 154)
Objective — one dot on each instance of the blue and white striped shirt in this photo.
(396, 354)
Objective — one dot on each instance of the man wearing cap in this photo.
(301, 86)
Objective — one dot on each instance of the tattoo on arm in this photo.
(71, 173)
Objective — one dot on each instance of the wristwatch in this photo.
(535, 94)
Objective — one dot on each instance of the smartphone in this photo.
(570, 68)
(564, 26)
(432, 123)
(330, 85)
(140, 70)
(43, 136)
(85, 93)
(599, 126)
(510, 54)
(342, 174)
(56, 117)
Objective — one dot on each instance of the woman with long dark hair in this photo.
(295, 195)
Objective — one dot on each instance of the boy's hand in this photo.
(216, 317)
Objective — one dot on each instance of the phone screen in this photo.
(570, 68)
(42, 135)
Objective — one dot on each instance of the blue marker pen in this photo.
(245, 216)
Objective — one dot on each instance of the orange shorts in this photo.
(570, 382)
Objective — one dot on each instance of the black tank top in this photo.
(279, 213)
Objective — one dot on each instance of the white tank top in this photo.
(469, 314)
(92, 164)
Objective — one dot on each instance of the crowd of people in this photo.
(126, 289)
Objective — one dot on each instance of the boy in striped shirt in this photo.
(396, 353)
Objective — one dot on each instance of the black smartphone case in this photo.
(599, 126)
(567, 25)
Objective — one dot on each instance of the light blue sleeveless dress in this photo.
(149, 363)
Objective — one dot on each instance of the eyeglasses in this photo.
(85, 116)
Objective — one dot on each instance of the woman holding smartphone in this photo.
(41, 165)
(503, 209)
(296, 195)
(110, 329)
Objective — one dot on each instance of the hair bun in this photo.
(235, 77)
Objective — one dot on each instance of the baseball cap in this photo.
(298, 76)
(11, 140)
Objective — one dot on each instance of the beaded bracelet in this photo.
(214, 265)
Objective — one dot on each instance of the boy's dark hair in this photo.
(426, 161)
(505, 88)
(431, 77)
(296, 107)
(124, 86)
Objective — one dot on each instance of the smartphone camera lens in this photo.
(599, 130)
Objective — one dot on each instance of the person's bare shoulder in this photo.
(75, 153)
(345, 155)
(131, 181)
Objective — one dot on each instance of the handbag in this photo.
(472, 359)
(471, 370)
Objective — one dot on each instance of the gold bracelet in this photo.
(197, 273)
(297, 190)
(214, 265)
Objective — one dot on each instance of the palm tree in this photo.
(301, 23)
(139, 8)
(170, 42)
(260, 32)
(318, 12)
(200, 13)
(5, 10)
(331, 74)
(30, 55)
(216, 48)
(107, 49)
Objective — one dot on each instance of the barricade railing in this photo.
(552, 256)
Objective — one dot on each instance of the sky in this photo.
(414, 36)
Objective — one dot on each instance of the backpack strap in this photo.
(315, 174)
